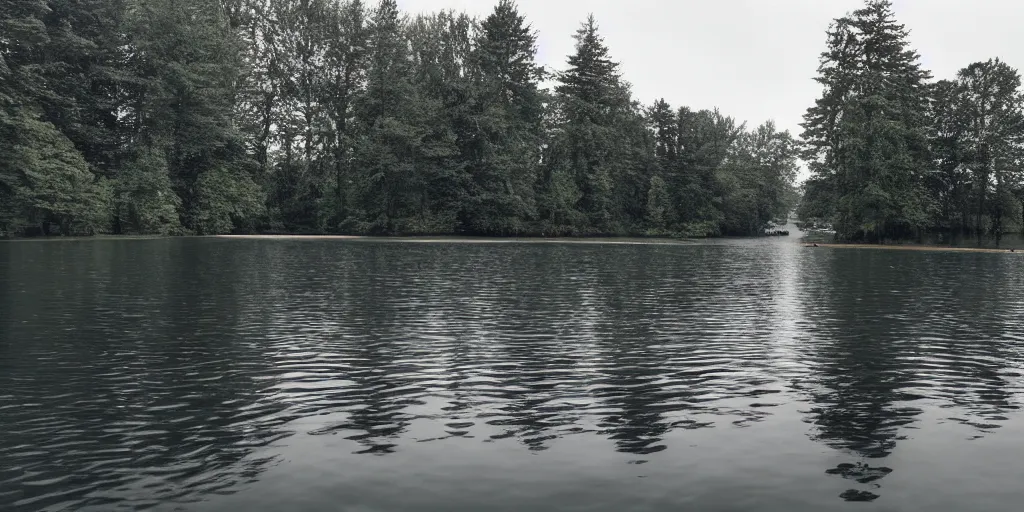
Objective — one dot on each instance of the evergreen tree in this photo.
(950, 181)
(504, 152)
(592, 79)
(218, 116)
(186, 58)
(992, 114)
(596, 129)
(445, 75)
(663, 123)
(705, 139)
(400, 146)
(866, 136)
(657, 205)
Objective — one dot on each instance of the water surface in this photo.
(266, 375)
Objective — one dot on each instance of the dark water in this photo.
(224, 375)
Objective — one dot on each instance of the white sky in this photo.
(753, 59)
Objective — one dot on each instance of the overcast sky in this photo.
(754, 59)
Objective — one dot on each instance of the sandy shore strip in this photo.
(930, 248)
(470, 240)
(293, 237)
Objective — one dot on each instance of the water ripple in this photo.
(166, 373)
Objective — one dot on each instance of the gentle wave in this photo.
(170, 372)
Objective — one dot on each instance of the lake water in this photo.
(269, 375)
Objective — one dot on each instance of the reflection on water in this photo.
(268, 375)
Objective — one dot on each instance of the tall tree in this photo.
(596, 130)
(504, 151)
(446, 72)
(664, 125)
(992, 133)
(950, 181)
(866, 135)
(210, 116)
(44, 180)
(401, 147)
(346, 53)
(187, 61)
(705, 139)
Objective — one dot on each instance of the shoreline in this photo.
(471, 239)
(925, 248)
(455, 239)
(596, 240)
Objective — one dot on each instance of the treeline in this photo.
(332, 116)
(895, 155)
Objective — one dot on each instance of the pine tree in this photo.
(704, 141)
(663, 123)
(866, 136)
(598, 128)
(187, 61)
(592, 79)
(990, 94)
(950, 181)
(505, 150)
(400, 147)
(210, 116)
(446, 71)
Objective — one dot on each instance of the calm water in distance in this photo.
(268, 375)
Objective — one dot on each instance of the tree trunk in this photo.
(997, 213)
(977, 226)
(340, 168)
(981, 208)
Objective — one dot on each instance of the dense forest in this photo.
(894, 155)
(335, 116)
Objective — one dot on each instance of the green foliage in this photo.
(657, 204)
(144, 201)
(402, 146)
(45, 181)
(314, 116)
(985, 112)
(756, 178)
(227, 199)
(502, 147)
(865, 137)
(597, 135)
(892, 155)
(187, 59)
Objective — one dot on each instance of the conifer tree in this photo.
(866, 136)
(508, 103)
(593, 137)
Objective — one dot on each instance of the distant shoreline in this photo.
(595, 240)
(393, 239)
(929, 248)
(475, 240)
